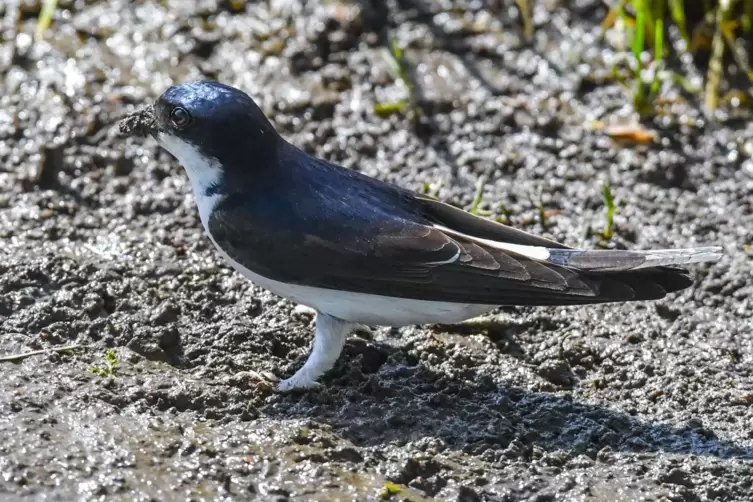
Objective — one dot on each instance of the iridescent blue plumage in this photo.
(292, 217)
(359, 250)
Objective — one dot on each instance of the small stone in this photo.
(654, 395)
(605, 454)
(46, 175)
(634, 338)
(557, 372)
(676, 477)
(168, 338)
(166, 313)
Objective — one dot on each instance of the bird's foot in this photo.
(329, 339)
(302, 380)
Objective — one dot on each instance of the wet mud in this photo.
(101, 249)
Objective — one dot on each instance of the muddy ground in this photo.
(102, 247)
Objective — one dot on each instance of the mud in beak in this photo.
(140, 123)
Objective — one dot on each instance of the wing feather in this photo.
(380, 239)
(409, 260)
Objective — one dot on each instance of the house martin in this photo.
(361, 251)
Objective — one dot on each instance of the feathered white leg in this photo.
(329, 339)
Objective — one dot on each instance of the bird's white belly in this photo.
(362, 307)
(354, 307)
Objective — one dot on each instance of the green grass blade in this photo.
(525, 13)
(638, 45)
(659, 32)
(658, 46)
(606, 193)
(618, 11)
(45, 16)
(479, 197)
(747, 18)
(628, 29)
(677, 10)
(397, 51)
(714, 74)
(648, 17)
(389, 58)
(542, 214)
(639, 39)
(504, 212)
(387, 109)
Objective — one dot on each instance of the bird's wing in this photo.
(431, 261)
(472, 225)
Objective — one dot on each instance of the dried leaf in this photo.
(630, 134)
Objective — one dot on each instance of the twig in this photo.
(20, 357)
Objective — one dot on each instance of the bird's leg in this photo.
(329, 339)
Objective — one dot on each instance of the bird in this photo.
(361, 251)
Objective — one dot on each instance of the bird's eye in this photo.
(180, 117)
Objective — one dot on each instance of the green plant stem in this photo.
(677, 10)
(479, 196)
(606, 192)
(45, 16)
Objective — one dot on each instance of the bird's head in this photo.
(210, 126)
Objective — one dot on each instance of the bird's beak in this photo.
(140, 123)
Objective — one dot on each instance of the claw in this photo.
(298, 382)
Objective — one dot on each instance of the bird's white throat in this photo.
(203, 172)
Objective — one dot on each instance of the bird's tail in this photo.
(600, 275)
(634, 275)
(623, 261)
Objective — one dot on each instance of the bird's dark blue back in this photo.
(308, 196)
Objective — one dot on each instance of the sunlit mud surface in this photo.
(101, 246)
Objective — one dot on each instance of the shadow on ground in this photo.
(401, 403)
